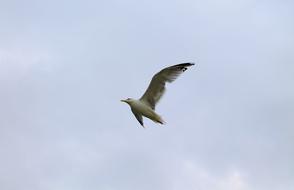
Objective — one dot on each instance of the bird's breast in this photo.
(142, 108)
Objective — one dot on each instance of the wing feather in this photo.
(156, 87)
(138, 117)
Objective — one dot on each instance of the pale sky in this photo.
(64, 66)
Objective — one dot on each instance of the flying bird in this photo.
(145, 106)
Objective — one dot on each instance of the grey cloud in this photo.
(65, 65)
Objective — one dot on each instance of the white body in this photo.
(140, 107)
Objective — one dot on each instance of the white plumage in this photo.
(145, 106)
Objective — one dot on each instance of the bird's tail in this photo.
(158, 119)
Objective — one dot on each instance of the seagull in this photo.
(145, 106)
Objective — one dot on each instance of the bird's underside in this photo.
(149, 114)
(145, 106)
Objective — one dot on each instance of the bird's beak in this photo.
(123, 101)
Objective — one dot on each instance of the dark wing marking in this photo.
(138, 117)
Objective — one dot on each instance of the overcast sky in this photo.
(64, 66)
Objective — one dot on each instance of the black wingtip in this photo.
(186, 64)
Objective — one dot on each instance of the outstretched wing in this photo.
(156, 87)
(138, 117)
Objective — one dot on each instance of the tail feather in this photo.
(158, 119)
(155, 117)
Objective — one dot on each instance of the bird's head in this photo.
(128, 100)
